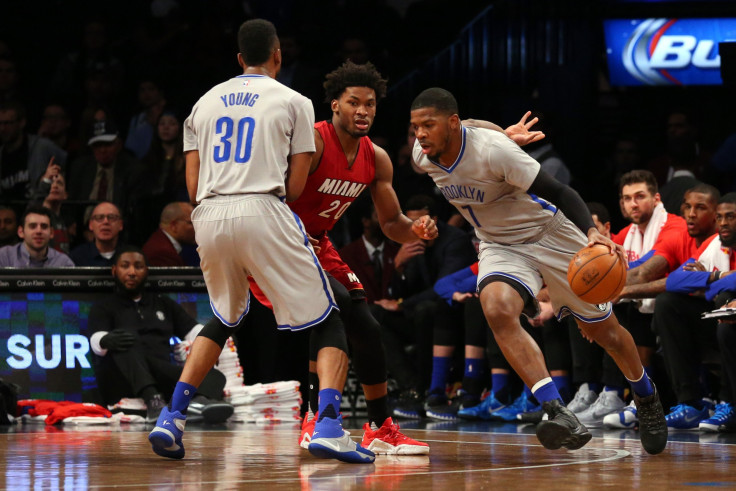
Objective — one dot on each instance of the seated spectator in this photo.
(164, 247)
(371, 257)
(63, 225)
(131, 331)
(105, 223)
(8, 226)
(56, 126)
(141, 129)
(27, 162)
(34, 251)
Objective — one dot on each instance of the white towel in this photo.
(716, 257)
(637, 244)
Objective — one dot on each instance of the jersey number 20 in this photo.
(226, 129)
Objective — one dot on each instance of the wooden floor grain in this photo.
(241, 456)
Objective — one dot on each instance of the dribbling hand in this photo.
(425, 228)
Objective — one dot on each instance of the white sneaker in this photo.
(624, 419)
(608, 402)
(584, 397)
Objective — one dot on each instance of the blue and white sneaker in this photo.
(483, 410)
(624, 419)
(684, 417)
(724, 418)
(521, 405)
(331, 441)
(166, 436)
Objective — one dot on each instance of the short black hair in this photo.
(728, 198)
(600, 211)
(256, 39)
(422, 202)
(707, 189)
(437, 98)
(125, 248)
(637, 176)
(37, 210)
(351, 74)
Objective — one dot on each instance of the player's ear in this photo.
(333, 105)
(454, 121)
(277, 56)
(241, 61)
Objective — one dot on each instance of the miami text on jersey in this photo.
(341, 188)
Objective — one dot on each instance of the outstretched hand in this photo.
(520, 133)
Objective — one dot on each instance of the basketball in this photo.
(595, 275)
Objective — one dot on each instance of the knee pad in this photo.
(330, 333)
(217, 331)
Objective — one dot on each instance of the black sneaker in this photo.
(531, 416)
(445, 411)
(154, 407)
(212, 412)
(409, 405)
(562, 429)
(652, 424)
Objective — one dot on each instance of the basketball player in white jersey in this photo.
(526, 241)
(248, 144)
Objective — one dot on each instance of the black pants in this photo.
(126, 374)
(726, 334)
(687, 341)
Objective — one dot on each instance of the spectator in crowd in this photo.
(105, 223)
(131, 331)
(108, 174)
(8, 226)
(62, 224)
(34, 250)
(56, 126)
(143, 125)
(164, 247)
(371, 257)
(27, 162)
(601, 217)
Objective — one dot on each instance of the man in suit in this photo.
(371, 257)
(165, 246)
(108, 173)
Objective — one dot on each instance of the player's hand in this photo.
(425, 228)
(118, 340)
(315, 244)
(546, 312)
(181, 351)
(461, 297)
(694, 266)
(729, 305)
(520, 133)
(389, 304)
(52, 170)
(595, 237)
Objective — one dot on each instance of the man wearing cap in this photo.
(108, 174)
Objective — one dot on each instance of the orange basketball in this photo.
(595, 275)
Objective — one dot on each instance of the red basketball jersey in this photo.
(334, 185)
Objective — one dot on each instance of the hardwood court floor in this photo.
(463, 456)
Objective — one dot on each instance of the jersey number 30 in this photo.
(242, 133)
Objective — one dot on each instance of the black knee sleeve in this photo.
(342, 297)
(217, 331)
(329, 333)
(476, 327)
(366, 348)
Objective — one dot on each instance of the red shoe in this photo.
(389, 440)
(305, 436)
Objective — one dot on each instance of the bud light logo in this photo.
(666, 51)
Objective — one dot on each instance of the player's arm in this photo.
(192, 174)
(655, 268)
(319, 145)
(296, 175)
(395, 225)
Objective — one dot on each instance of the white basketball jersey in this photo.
(244, 130)
(488, 184)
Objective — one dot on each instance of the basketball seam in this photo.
(572, 280)
(602, 276)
